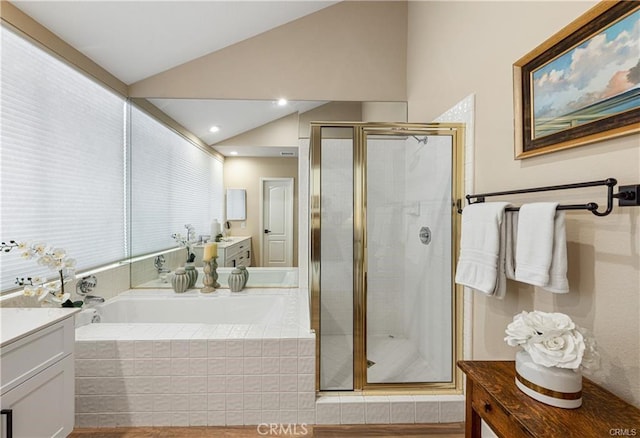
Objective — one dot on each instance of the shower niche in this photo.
(384, 233)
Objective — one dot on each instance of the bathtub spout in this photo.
(92, 300)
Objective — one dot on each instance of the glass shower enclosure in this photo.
(384, 227)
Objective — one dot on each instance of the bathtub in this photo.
(276, 308)
(156, 358)
(284, 309)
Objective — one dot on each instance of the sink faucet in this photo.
(159, 264)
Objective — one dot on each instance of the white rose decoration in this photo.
(562, 351)
(519, 331)
(552, 340)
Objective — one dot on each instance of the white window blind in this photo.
(61, 156)
(173, 183)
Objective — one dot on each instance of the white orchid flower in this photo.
(59, 297)
(58, 253)
(39, 248)
(41, 293)
(29, 291)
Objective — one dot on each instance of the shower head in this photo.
(424, 140)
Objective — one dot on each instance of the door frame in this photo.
(289, 249)
(360, 132)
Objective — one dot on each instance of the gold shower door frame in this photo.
(361, 131)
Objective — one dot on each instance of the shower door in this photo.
(384, 228)
(409, 291)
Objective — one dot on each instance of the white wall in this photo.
(459, 48)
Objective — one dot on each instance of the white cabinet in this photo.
(231, 253)
(37, 374)
(235, 253)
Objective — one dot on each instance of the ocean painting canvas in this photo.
(596, 79)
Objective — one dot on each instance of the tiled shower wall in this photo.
(427, 296)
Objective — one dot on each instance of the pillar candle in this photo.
(210, 251)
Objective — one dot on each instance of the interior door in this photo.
(277, 221)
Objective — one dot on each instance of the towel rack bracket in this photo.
(628, 196)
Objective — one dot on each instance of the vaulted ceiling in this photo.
(134, 40)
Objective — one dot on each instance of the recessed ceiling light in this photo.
(282, 102)
(214, 129)
(233, 153)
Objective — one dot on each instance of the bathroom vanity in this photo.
(37, 371)
(236, 251)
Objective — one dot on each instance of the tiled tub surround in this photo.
(196, 374)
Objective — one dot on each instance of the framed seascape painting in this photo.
(582, 85)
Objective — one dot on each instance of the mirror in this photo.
(236, 204)
(257, 139)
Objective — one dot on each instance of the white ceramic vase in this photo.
(559, 387)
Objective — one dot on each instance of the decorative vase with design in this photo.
(559, 387)
(245, 274)
(192, 273)
(180, 281)
(236, 280)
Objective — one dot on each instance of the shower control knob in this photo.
(425, 235)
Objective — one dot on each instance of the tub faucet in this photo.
(92, 300)
(159, 264)
(86, 285)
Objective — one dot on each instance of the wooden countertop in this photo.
(602, 413)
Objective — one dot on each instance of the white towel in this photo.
(482, 248)
(511, 233)
(558, 282)
(541, 248)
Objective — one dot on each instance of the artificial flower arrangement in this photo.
(55, 259)
(186, 241)
(555, 351)
(552, 340)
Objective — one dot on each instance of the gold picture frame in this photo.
(561, 95)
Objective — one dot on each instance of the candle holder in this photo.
(210, 276)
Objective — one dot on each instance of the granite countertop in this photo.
(18, 322)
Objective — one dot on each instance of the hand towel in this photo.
(511, 239)
(558, 282)
(541, 250)
(482, 246)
